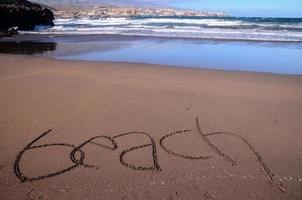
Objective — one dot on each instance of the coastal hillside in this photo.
(94, 2)
(118, 8)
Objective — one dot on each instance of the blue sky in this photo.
(257, 8)
(265, 8)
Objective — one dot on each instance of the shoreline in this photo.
(204, 68)
(150, 65)
(36, 36)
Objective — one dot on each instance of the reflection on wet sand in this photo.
(27, 48)
(271, 57)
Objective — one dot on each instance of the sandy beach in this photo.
(96, 130)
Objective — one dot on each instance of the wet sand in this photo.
(240, 55)
(137, 131)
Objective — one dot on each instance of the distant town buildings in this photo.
(130, 12)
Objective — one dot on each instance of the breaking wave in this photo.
(229, 28)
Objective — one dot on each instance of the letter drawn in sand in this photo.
(31, 146)
(226, 157)
(152, 143)
(162, 144)
(78, 149)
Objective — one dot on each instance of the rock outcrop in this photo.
(24, 15)
(9, 32)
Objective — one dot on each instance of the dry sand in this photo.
(246, 144)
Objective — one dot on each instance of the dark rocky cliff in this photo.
(23, 14)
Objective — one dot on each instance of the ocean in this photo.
(272, 45)
(225, 28)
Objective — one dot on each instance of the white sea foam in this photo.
(211, 28)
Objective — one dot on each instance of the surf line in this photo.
(77, 154)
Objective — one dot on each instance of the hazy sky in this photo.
(276, 8)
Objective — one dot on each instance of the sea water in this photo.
(228, 28)
(229, 43)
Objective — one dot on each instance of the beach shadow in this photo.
(27, 48)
